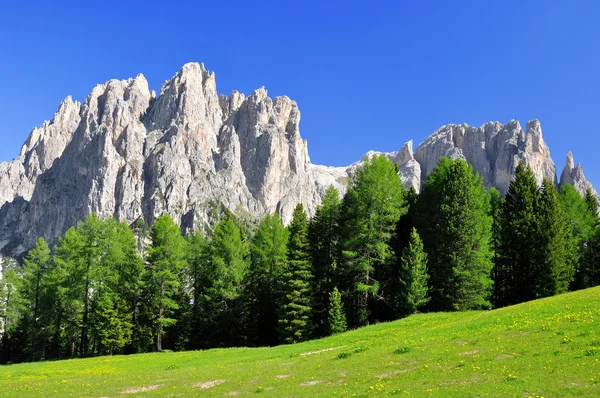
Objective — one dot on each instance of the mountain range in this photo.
(132, 154)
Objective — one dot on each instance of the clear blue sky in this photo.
(366, 75)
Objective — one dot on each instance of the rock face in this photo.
(494, 150)
(128, 153)
(44, 145)
(573, 175)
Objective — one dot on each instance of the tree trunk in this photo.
(160, 316)
(84, 337)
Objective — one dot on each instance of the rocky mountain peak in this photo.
(574, 176)
(190, 152)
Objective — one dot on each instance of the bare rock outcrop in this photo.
(190, 152)
(494, 150)
(574, 176)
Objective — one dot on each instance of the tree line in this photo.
(379, 253)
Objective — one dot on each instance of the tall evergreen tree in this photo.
(413, 280)
(555, 262)
(337, 317)
(518, 240)
(592, 202)
(34, 280)
(582, 220)
(228, 266)
(166, 259)
(370, 211)
(496, 203)
(294, 308)
(323, 236)
(197, 266)
(455, 225)
(268, 252)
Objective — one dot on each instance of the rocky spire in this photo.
(574, 176)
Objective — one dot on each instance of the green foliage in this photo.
(496, 203)
(323, 236)
(555, 263)
(370, 210)
(518, 240)
(268, 252)
(413, 293)
(294, 321)
(455, 225)
(337, 317)
(166, 259)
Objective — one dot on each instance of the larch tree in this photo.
(370, 211)
(166, 258)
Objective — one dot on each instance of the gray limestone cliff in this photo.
(574, 176)
(128, 153)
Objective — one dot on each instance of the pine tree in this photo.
(555, 260)
(337, 317)
(294, 318)
(323, 236)
(370, 211)
(518, 240)
(413, 293)
(455, 225)
(166, 259)
(268, 252)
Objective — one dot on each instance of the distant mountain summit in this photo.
(128, 153)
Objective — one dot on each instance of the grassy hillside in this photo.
(547, 348)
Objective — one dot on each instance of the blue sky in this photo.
(366, 75)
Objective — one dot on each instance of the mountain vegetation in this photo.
(378, 253)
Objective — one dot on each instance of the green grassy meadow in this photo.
(548, 348)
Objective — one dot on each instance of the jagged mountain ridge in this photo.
(128, 153)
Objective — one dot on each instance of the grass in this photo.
(548, 348)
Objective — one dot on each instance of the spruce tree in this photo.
(393, 276)
(294, 318)
(337, 317)
(323, 236)
(518, 240)
(455, 225)
(413, 280)
(555, 262)
(166, 259)
(268, 253)
(370, 211)
(496, 203)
